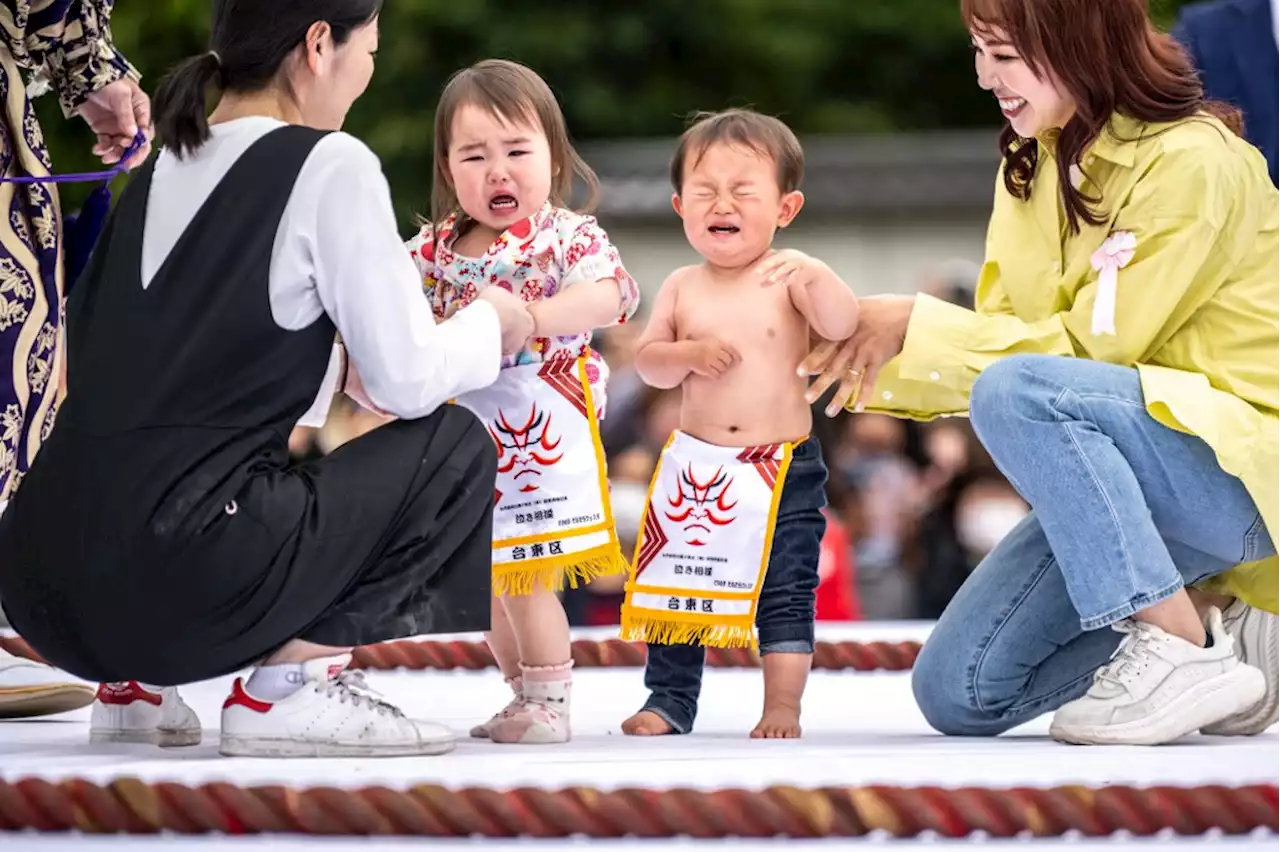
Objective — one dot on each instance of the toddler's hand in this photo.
(711, 358)
(788, 267)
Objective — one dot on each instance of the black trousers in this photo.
(389, 536)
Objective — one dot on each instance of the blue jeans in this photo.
(1126, 512)
(785, 612)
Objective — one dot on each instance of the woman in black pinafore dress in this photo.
(162, 535)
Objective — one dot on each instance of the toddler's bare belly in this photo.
(745, 410)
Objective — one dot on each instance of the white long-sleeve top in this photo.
(337, 252)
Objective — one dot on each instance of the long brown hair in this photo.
(1107, 55)
(512, 93)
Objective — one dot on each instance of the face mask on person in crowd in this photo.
(627, 500)
(981, 525)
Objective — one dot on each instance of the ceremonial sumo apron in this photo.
(552, 519)
(704, 546)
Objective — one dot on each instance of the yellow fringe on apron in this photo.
(552, 519)
(704, 546)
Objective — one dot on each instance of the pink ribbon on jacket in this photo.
(1112, 256)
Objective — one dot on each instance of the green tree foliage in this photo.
(625, 68)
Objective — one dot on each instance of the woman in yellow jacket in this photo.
(1121, 370)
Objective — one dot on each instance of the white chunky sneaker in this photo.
(129, 712)
(484, 730)
(332, 715)
(1159, 688)
(29, 689)
(1257, 637)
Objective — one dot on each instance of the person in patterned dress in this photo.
(65, 46)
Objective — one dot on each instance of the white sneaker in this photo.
(129, 712)
(333, 715)
(28, 689)
(1257, 637)
(1158, 688)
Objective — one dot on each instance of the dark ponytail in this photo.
(249, 42)
(181, 103)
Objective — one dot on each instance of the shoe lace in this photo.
(1130, 659)
(350, 686)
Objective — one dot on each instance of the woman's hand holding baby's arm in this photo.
(513, 318)
(578, 309)
(856, 362)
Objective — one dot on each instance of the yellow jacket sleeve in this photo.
(1182, 255)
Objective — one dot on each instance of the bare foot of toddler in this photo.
(784, 679)
(778, 723)
(646, 724)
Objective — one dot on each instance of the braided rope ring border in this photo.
(131, 806)
(444, 655)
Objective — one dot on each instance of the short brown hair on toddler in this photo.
(763, 134)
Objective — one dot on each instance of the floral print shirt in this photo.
(535, 258)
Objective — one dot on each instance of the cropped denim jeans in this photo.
(1125, 513)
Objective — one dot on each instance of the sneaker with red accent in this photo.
(130, 712)
(334, 714)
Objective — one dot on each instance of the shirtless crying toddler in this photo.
(729, 546)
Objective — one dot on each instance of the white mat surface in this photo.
(859, 729)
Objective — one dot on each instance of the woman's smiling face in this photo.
(1031, 103)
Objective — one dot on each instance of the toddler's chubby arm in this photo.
(821, 296)
(595, 291)
(661, 359)
(577, 310)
